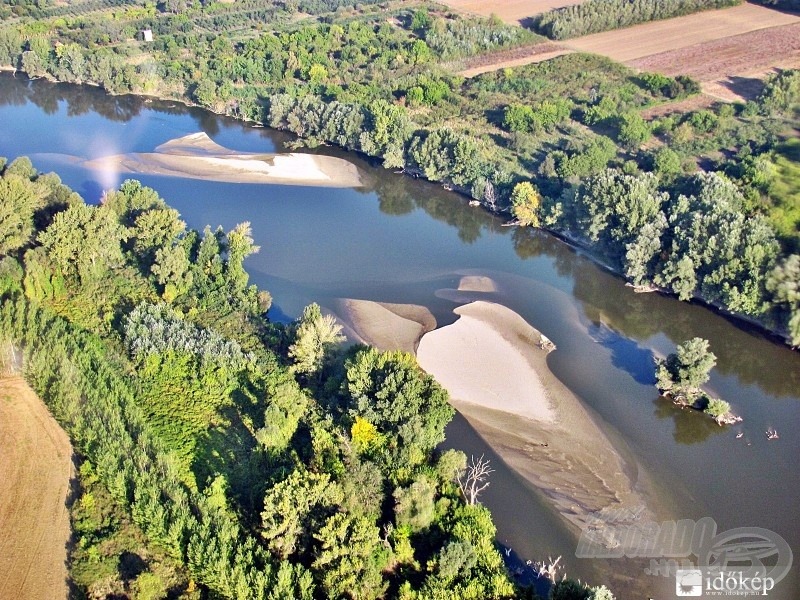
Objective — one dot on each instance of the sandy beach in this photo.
(495, 369)
(196, 156)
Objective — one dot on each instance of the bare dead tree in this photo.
(490, 196)
(474, 479)
(548, 570)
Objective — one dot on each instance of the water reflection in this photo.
(742, 350)
(691, 426)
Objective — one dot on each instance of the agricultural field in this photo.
(729, 51)
(35, 468)
(731, 68)
(640, 41)
(510, 11)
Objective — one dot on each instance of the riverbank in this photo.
(196, 156)
(494, 366)
(294, 164)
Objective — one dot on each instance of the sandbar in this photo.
(484, 359)
(494, 365)
(384, 325)
(196, 156)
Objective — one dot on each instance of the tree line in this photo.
(594, 16)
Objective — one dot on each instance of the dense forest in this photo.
(222, 455)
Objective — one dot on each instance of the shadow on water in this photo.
(626, 354)
(691, 426)
(742, 350)
(91, 191)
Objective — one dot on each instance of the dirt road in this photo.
(35, 471)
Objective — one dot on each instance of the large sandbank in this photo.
(494, 366)
(196, 156)
(483, 360)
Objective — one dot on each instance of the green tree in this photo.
(682, 373)
(666, 163)
(173, 271)
(525, 204)
(153, 230)
(292, 505)
(394, 394)
(350, 558)
(633, 130)
(316, 334)
(85, 241)
(784, 285)
(717, 408)
(19, 200)
(414, 505)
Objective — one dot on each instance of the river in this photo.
(399, 240)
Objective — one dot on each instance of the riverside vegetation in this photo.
(379, 78)
(219, 454)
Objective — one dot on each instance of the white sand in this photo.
(483, 359)
(384, 325)
(498, 378)
(196, 156)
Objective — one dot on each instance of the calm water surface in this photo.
(399, 240)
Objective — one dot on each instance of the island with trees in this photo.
(682, 373)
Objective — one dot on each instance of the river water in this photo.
(400, 240)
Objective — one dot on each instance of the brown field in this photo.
(510, 11)
(731, 68)
(35, 471)
(728, 51)
(639, 41)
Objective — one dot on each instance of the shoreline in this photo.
(737, 319)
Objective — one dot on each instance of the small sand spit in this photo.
(384, 325)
